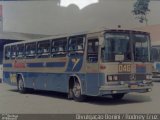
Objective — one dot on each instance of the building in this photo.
(154, 31)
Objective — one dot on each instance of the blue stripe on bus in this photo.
(35, 64)
(48, 64)
(55, 64)
(7, 65)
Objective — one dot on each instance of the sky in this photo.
(71, 16)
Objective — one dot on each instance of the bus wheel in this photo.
(118, 96)
(76, 92)
(20, 85)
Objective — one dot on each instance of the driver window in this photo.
(92, 51)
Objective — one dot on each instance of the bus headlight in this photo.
(115, 77)
(112, 77)
(109, 77)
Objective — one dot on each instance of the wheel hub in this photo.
(77, 90)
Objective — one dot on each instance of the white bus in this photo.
(108, 62)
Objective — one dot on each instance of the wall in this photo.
(48, 17)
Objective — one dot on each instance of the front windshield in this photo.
(155, 53)
(126, 47)
(141, 47)
(117, 47)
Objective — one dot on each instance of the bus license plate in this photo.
(133, 86)
(124, 68)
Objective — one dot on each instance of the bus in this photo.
(98, 63)
(155, 55)
(2, 43)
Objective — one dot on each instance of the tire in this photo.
(76, 92)
(20, 85)
(118, 96)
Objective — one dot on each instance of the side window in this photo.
(13, 51)
(31, 50)
(43, 49)
(7, 53)
(76, 44)
(59, 47)
(92, 51)
(20, 51)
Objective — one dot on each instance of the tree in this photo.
(141, 9)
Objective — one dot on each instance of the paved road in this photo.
(48, 102)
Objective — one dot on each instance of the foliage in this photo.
(141, 9)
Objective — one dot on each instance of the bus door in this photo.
(92, 66)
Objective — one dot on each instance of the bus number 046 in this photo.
(124, 68)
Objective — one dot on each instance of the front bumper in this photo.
(126, 88)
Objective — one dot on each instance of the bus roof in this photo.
(126, 31)
(100, 31)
